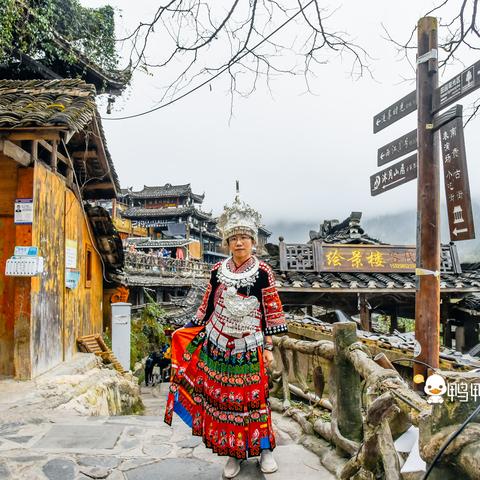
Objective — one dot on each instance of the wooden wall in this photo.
(60, 315)
(48, 234)
(8, 192)
(22, 354)
(40, 319)
(83, 305)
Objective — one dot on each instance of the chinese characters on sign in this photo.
(398, 148)
(149, 223)
(398, 110)
(457, 188)
(457, 87)
(398, 174)
(361, 258)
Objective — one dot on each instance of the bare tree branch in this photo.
(200, 39)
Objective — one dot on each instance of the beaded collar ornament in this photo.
(246, 277)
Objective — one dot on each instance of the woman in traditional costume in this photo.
(219, 385)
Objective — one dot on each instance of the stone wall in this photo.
(87, 387)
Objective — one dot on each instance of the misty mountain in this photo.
(395, 228)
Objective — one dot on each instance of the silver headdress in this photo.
(239, 219)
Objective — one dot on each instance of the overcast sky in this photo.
(297, 156)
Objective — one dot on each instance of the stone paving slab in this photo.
(80, 437)
(135, 448)
(176, 469)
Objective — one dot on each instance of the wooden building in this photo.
(53, 157)
(123, 225)
(343, 268)
(173, 212)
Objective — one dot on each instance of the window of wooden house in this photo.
(88, 268)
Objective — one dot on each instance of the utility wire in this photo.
(220, 72)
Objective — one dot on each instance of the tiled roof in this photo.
(112, 81)
(108, 241)
(347, 232)
(372, 281)
(354, 281)
(393, 345)
(470, 303)
(166, 190)
(140, 212)
(113, 172)
(66, 104)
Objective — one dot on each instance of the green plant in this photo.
(31, 26)
(147, 333)
(107, 338)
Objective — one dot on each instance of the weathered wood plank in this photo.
(9, 149)
(31, 134)
(22, 331)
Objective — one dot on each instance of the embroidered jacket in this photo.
(269, 312)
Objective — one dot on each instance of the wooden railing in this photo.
(368, 402)
(144, 263)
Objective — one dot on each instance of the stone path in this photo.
(66, 447)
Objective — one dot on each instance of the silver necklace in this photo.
(246, 278)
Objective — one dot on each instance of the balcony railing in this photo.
(148, 264)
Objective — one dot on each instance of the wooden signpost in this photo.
(398, 148)
(455, 174)
(393, 176)
(457, 87)
(427, 298)
(395, 112)
(429, 99)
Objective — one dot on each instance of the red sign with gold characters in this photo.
(367, 258)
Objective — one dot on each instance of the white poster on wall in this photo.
(71, 254)
(23, 211)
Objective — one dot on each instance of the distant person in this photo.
(159, 359)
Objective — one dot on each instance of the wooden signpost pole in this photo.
(427, 303)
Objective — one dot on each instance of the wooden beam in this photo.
(53, 156)
(365, 319)
(9, 149)
(31, 134)
(99, 186)
(85, 154)
(50, 148)
(70, 177)
(34, 150)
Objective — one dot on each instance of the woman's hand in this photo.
(268, 358)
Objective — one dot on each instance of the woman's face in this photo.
(240, 245)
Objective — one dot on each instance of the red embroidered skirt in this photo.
(221, 396)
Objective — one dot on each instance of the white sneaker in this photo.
(232, 467)
(267, 462)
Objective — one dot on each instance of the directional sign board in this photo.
(398, 148)
(457, 87)
(393, 176)
(457, 188)
(398, 110)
